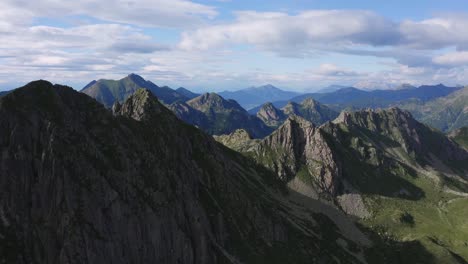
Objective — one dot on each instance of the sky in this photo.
(216, 45)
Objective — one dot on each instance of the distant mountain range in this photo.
(375, 85)
(353, 98)
(109, 91)
(255, 96)
(437, 105)
(331, 88)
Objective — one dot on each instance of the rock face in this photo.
(298, 148)
(311, 110)
(239, 140)
(80, 184)
(108, 92)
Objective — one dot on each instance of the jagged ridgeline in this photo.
(400, 177)
(309, 109)
(209, 112)
(80, 183)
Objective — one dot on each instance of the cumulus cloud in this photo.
(328, 69)
(453, 59)
(114, 38)
(320, 29)
(156, 13)
(278, 31)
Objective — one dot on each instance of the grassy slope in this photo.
(439, 216)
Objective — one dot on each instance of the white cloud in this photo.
(328, 69)
(114, 41)
(330, 29)
(453, 59)
(280, 31)
(436, 33)
(155, 13)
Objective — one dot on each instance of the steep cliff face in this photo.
(80, 184)
(298, 148)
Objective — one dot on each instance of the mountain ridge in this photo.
(137, 178)
(108, 92)
(355, 98)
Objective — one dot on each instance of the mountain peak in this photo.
(136, 79)
(270, 115)
(310, 102)
(141, 106)
(267, 86)
(213, 101)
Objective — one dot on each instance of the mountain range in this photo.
(255, 96)
(82, 182)
(109, 91)
(397, 175)
(353, 98)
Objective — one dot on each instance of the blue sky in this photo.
(216, 45)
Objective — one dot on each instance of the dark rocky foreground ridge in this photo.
(80, 184)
